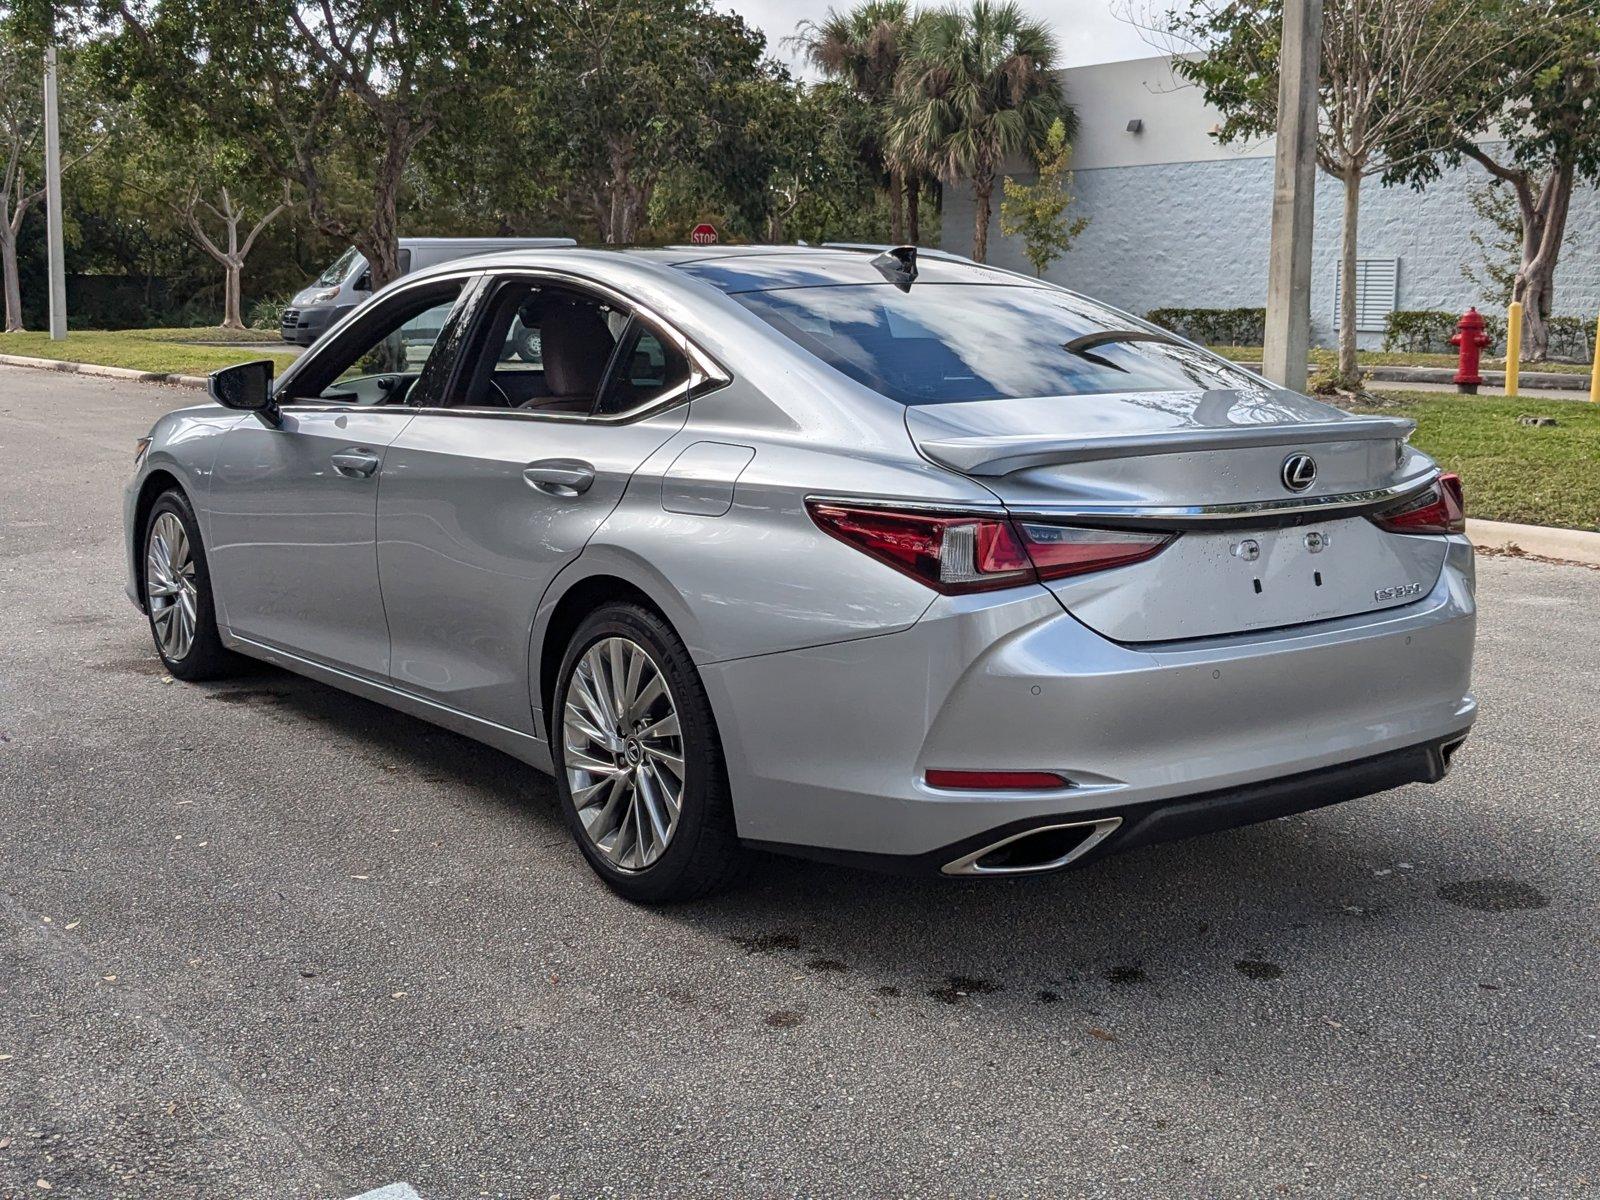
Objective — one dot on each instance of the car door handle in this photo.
(559, 476)
(355, 464)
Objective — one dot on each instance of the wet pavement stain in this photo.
(958, 988)
(889, 990)
(1125, 976)
(1258, 969)
(1046, 996)
(1493, 895)
(784, 1018)
(765, 943)
(266, 696)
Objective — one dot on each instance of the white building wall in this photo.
(1176, 220)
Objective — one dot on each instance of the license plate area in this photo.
(1209, 583)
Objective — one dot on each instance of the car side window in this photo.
(540, 348)
(381, 358)
(648, 367)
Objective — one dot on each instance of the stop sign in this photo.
(703, 234)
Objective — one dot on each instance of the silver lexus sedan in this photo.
(855, 553)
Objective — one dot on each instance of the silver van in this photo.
(347, 282)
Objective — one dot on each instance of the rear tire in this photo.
(177, 593)
(638, 760)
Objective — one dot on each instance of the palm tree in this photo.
(864, 47)
(977, 88)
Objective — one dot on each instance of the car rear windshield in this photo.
(947, 343)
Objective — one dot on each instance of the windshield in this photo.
(341, 268)
(943, 343)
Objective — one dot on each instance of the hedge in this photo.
(1429, 332)
(1213, 326)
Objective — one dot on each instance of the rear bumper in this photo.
(827, 747)
(1137, 825)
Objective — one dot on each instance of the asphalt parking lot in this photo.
(261, 939)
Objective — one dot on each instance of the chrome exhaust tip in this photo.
(1043, 848)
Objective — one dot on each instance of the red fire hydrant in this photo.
(1471, 338)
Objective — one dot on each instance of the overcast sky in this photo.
(1088, 30)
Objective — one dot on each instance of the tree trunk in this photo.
(382, 248)
(897, 213)
(1544, 229)
(982, 197)
(13, 281)
(231, 314)
(1349, 370)
(913, 213)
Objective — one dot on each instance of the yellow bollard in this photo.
(1594, 374)
(1513, 346)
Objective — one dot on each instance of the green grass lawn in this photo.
(1397, 358)
(1535, 474)
(173, 351)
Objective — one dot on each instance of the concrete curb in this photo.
(1568, 545)
(1560, 381)
(76, 368)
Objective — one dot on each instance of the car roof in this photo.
(765, 268)
(733, 269)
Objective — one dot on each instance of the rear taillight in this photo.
(967, 552)
(1059, 550)
(1440, 509)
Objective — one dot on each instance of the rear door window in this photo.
(949, 343)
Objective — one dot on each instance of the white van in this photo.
(347, 282)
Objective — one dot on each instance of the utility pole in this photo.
(1294, 181)
(52, 181)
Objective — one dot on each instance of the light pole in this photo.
(52, 182)
(1294, 181)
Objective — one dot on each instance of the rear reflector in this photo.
(971, 552)
(996, 781)
(1440, 509)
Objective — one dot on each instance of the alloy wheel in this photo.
(169, 585)
(623, 753)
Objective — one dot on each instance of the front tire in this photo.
(177, 593)
(638, 760)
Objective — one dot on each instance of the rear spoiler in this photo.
(1001, 454)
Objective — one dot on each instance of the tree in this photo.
(320, 92)
(865, 48)
(1533, 123)
(978, 88)
(227, 249)
(1385, 63)
(1037, 212)
(1500, 252)
(633, 88)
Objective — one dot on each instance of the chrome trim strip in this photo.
(706, 373)
(1293, 505)
(1100, 830)
(899, 505)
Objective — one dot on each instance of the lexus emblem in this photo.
(1299, 472)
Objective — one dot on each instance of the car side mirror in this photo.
(246, 387)
(364, 283)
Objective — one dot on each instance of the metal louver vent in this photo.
(1377, 284)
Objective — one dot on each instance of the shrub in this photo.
(1572, 339)
(1429, 331)
(1213, 326)
(266, 314)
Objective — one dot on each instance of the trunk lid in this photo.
(1250, 552)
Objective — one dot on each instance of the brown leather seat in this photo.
(575, 344)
